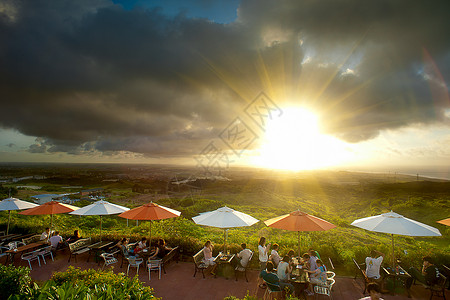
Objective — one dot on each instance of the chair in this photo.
(438, 289)
(47, 250)
(154, 265)
(271, 289)
(241, 268)
(14, 245)
(109, 259)
(331, 274)
(3, 248)
(134, 262)
(324, 289)
(30, 256)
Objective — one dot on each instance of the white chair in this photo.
(154, 265)
(3, 250)
(324, 289)
(30, 256)
(109, 259)
(14, 245)
(331, 274)
(47, 250)
(134, 262)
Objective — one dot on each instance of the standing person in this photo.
(208, 257)
(56, 241)
(374, 292)
(428, 276)
(275, 257)
(373, 264)
(263, 250)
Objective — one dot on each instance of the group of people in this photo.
(141, 247)
(56, 240)
(270, 261)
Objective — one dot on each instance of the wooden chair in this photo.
(271, 290)
(32, 239)
(198, 263)
(241, 268)
(363, 274)
(173, 254)
(438, 289)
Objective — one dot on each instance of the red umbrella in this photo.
(50, 208)
(445, 221)
(150, 211)
(299, 221)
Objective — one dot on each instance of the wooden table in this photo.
(21, 249)
(224, 266)
(97, 248)
(300, 280)
(397, 276)
(9, 237)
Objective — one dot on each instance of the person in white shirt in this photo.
(284, 269)
(244, 255)
(274, 256)
(46, 234)
(263, 250)
(373, 264)
(56, 241)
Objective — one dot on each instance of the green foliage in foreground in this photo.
(13, 280)
(88, 284)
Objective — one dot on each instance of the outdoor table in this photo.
(299, 280)
(224, 265)
(9, 237)
(97, 248)
(399, 275)
(22, 249)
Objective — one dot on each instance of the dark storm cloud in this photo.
(89, 75)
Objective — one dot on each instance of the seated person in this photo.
(314, 253)
(45, 235)
(373, 264)
(374, 292)
(123, 246)
(284, 269)
(275, 257)
(243, 257)
(312, 260)
(305, 261)
(272, 278)
(208, 258)
(291, 255)
(428, 276)
(75, 237)
(318, 276)
(141, 245)
(161, 250)
(56, 241)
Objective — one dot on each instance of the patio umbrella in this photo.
(224, 217)
(50, 208)
(445, 221)
(394, 223)
(299, 221)
(100, 208)
(10, 204)
(150, 211)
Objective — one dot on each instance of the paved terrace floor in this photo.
(179, 283)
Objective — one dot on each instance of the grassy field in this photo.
(339, 197)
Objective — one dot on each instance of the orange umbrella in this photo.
(299, 221)
(150, 211)
(50, 208)
(445, 221)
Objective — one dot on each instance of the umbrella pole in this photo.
(299, 254)
(51, 222)
(393, 255)
(9, 219)
(101, 221)
(150, 238)
(224, 240)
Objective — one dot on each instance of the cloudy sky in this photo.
(157, 81)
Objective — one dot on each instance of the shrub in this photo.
(13, 280)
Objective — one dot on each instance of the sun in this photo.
(294, 142)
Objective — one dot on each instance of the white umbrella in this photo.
(100, 208)
(10, 204)
(224, 217)
(394, 223)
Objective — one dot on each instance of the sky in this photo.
(168, 81)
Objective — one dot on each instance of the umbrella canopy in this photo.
(100, 208)
(394, 223)
(445, 221)
(299, 221)
(150, 211)
(224, 217)
(10, 204)
(50, 208)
